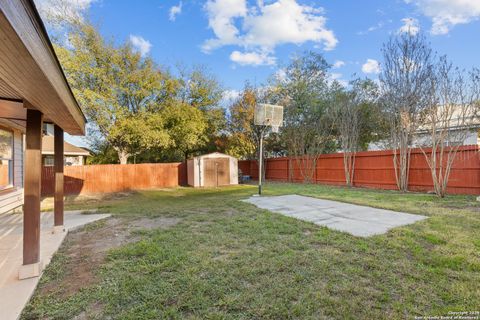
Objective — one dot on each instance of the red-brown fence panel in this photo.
(375, 169)
(244, 166)
(108, 178)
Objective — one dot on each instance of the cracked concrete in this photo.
(357, 220)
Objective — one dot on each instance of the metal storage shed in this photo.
(212, 170)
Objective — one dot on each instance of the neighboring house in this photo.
(462, 129)
(33, 90)
(73, 155)
(462, 123)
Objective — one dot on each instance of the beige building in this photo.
(73, 155)
(212, 170)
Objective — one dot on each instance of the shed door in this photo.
(217, 172)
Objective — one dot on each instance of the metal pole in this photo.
(260, 164)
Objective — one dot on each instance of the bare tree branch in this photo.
(406, 82)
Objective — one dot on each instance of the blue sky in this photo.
(359, 27)
(242, 40)
(174, 31)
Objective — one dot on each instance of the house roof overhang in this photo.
(48, 148)
(30, 73)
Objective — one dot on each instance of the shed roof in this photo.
(214, 154)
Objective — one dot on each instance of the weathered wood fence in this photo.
(108, 178)
(374, 169)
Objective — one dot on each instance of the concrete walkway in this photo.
(14, 293)
(357, 220)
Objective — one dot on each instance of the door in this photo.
(217, 172)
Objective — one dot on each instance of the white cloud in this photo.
(229, 96)
(445, 14)
(281, 75)
(337, 77)
(55, 11)
(140, 44)
(221, 15)
(252, 58)
(338, 64)
(371, 66)
(260, 28)
(285, 21)
(175, 10)
(410, 25)
(372, 28)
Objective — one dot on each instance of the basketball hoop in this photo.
(266, 115)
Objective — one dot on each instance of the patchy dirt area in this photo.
(47, 202)
(147, 223)
(85, 250)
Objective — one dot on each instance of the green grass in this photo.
(230, 260)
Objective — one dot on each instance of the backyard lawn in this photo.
(203, 254)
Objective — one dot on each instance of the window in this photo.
(48, 161)
(6, 159)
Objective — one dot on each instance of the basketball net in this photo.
(274, 126)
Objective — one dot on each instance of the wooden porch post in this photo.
(31, 209)
(58, 198)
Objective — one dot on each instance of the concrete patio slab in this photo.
(357, 220)
(15, 293)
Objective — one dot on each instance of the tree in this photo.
(357, 119)
(451, 115)
(138, 109)
(406, 84)
(118, 89)
(243, 136)
(200, 89)
(348, 128)
(308, 117)
(187, 128)
(102, 153)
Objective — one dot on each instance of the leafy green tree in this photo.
(102, 153)
(187, 128)
(200, 89)
(359, 109)
(118, 89)
(136, 108)
(309, 121)
(358, 119)
(243, 137)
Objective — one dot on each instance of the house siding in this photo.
(18, 159)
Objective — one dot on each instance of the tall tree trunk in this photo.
(349, 167)
(123, 156)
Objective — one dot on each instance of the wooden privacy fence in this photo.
(107, 178)
(374, 169)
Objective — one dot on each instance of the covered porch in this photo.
(14, 293)
(33, 91)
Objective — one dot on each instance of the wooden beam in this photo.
(33, 174)
(58, 162)
(29, 68)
